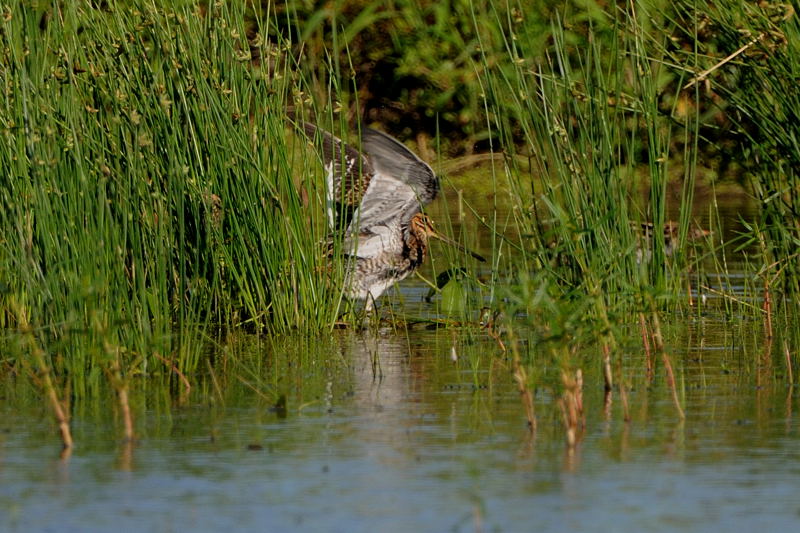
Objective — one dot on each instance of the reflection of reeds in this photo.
(187, 387)
(521, 379)
(645, 334)
(608, 378)
(45, 375)
(659, 342)
(121, 387)
(571, 403)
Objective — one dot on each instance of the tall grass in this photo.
(587, 144)
(590, 130)
(759, 87)
(579, 128)
(149, 191)
(152, 195)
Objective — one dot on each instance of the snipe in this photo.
(376, 196)
(671, 237)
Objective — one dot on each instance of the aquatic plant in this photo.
(587, 146)
(150, 191)
(754, 86)
(153, 196)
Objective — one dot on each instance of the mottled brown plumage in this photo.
(671, 237)
(352, 171)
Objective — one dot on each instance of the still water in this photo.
(421, 430)
(384, 431)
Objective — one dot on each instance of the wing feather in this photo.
(349, 174)
(387, 199)
(391, 158)
(381, 240)
(376, 189)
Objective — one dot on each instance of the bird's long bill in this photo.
(457, 245)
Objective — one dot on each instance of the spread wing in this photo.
(400, 186)
(376, 190)
(349, 174)
(391, 158)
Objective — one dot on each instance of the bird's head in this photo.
(421, 226)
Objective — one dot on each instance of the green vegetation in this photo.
(150, 192)
(153, 194)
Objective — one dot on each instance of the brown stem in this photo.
(671, 383)
(667, 365)
(646, 343)
(567, 417)
(571, 403)
(114, 373)
(609, 380)
(124, 405)
(39, 355)
(623, 394)
(187, 387)
(521, 378)
(788, 362)
(608, 401)
(767, 307)
(579, 395)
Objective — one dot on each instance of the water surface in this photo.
(385, 432)
(423, 430)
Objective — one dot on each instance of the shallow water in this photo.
(385, 432)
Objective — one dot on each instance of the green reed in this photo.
(154, 197)
(587, 147)
(596, 130)
(578, 131)
(150, 189)
(759, 86)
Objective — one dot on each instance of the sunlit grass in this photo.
(153, 196)
(150, 190)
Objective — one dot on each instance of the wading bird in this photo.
(376, 196)
(671, 238)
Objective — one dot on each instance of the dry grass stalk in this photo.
(767, 308)
(114, 372)
(489, 322)
(521, 378)
(579, 389)
(571, 404)
(124, 405)
(764, 367)
(623, 394)
(62, 418)
(646, 343)
(788, 362)
(671, 383)
(609, 380)
(667, 365)
(703, 75)
(608, 401)
(187, 387)
(39, 356)
(496, 336)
